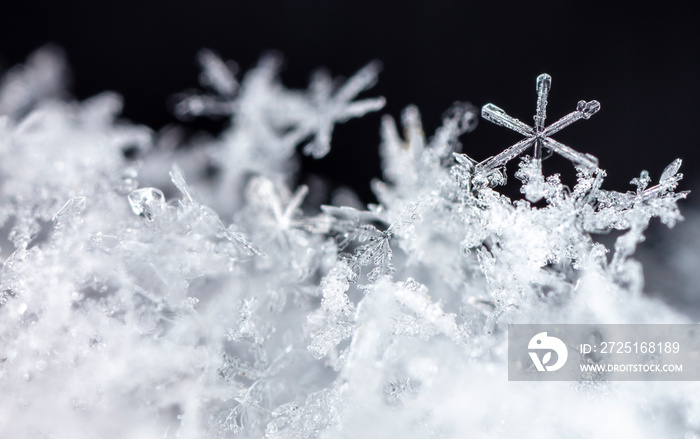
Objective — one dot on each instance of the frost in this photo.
(144, 297)
(303, 422)
(63, 150)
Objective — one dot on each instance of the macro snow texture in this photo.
(144, 297)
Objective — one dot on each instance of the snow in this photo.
(190, 307)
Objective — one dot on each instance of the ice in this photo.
(267, 122)
(148, 296)
(339, 107)
(538, 137)
(669, 176)
(148, 202)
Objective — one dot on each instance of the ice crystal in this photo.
(148, 202)
(145, 298)
(269, 121)
(537, 137)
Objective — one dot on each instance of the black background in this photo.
(641, 62)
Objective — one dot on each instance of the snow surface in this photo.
(227, 307)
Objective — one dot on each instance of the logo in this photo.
(542, 342)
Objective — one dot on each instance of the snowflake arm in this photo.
(295, 203)
(498, 116)
(493, 163)
(584, 110)
(570, 154)
(668, 181)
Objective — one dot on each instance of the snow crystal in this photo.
(143, 298)
(539, 137)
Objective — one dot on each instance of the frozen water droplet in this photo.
(148, 202)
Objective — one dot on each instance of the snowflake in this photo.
(375, 247)
(331, 108)
(230, 305)
(539, 135)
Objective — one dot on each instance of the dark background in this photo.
(641, 62)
